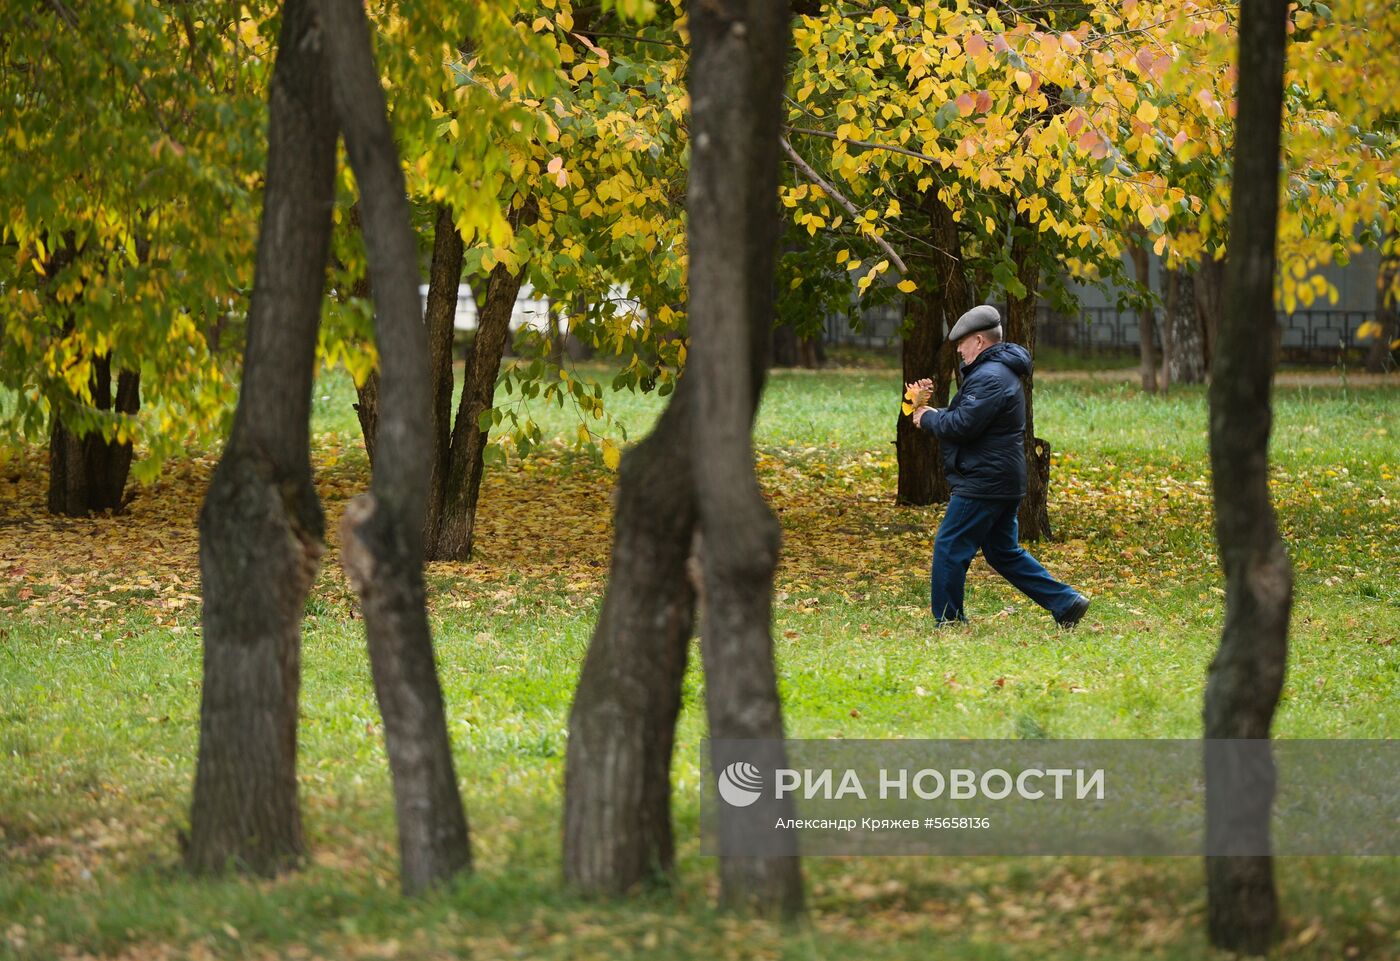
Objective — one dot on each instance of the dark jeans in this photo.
(990, 525)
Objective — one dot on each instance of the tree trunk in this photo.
(1146, 348)
(1187, 363)
(261, 525)
(926, 352)
(1170, 300)
(444, 282)
(367, 394)
(382, 532)
(451, 529)
(921, 478)
(1387, 315)
(738, 56)
(367, 410)
(1033, 518)
(1246, 676)
(1210, 305)
(88, 473)
(617, 774)
(785, 348)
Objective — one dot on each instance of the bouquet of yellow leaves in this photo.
(917, 395)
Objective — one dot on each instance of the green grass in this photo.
(99, 716)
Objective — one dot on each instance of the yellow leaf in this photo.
(1147, 112)
(842, 256)
(908, 286)
(611, 455)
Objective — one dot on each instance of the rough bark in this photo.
(1246, 676)
(1033, 518)
(1147, 350)
(738, 55)
(367, 410)
(920, 464)
(451, 522)
(444, 281)
(1187, 362)
(926, 352)
(617, 774)
(382, 532)
(86, 472)
(1387, 314)
(261, 525)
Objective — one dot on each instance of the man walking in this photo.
(982, 437)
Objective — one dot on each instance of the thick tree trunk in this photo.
(451, 527)
(921, 478)
(261, 525)
(1387, 314)
(1147, 350)
(1187, 362)
(1209, 289)
(738, 55)
(1246, 676)
(382, 532)
(1033, 517)
(88, 473)
(617, 775)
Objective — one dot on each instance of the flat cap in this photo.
(983, 317)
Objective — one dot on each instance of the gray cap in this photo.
(984, 317)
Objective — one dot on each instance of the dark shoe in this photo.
(1075, 614)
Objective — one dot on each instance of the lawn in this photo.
(100, 668)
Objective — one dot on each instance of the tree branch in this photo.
(840, 198)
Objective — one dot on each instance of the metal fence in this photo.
(1305, 336)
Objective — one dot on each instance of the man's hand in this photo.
(919, 412)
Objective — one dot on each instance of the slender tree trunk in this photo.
(1387, 314)
(381, 532)
(1146, 325)
(1188, 356)
(617, 775)
(261, 525)
(738, 56)
(1170, 298)
(444, 282)
(366, 394)
(367, 410)
(1246, 676)
(1209, 288)
(1033, 517)
(926, 352)
(451, 531)
(785, 347)
(920, 464)
(86, 472)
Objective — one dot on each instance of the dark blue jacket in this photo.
(982, 432)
